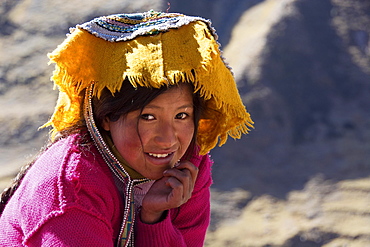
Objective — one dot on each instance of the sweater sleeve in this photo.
(67, 198)
(75, 227)
(186, 225)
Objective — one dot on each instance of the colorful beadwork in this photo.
(127, 228)
(122, 27)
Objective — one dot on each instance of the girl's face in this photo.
(154, 139)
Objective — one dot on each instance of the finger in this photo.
(184, 177)
(176, 198)
(189, 166)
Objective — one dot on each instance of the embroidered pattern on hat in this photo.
(123, 27)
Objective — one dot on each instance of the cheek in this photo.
(187, 133)
(128, 139)
(125, 136)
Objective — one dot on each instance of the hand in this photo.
(171, 191)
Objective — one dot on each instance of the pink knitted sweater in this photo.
(69, 198)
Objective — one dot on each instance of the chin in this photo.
(154, 177)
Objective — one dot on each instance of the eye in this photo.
(182, 115)
(147, 117)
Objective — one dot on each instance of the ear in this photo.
(106, 124)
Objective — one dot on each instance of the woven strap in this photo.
(127, 228)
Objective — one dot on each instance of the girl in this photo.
(143, 99)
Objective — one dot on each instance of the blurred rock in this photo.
(303, 69)
(322, 214)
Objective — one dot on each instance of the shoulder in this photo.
(69, 161)
(75, 169)
(202, 161)
(70, 174)
(75, 155)
(204, 164)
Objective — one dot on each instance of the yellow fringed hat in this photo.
(150, 49)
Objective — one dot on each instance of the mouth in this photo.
(161, 159)
(160, 155)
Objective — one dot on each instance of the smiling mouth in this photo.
(159, 155)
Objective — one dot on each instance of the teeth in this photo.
(158, 155)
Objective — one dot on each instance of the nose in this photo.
(166, 135)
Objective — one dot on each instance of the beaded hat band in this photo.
(150, 49)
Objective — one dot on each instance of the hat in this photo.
(150, 49)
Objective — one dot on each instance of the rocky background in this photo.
(302, 176)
